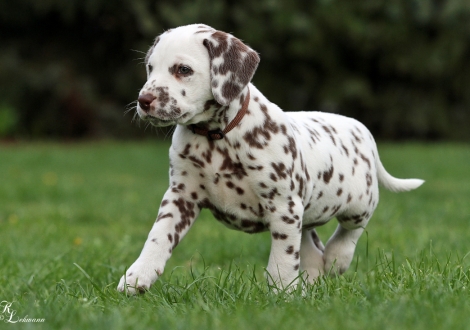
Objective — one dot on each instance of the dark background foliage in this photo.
(69, 69)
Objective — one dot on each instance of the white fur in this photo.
(282, 172)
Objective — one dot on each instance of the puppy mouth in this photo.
(159, 118)
(159, 122)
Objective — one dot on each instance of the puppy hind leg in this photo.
(339, 250)
(311, 255)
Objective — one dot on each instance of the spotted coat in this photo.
(286, 173)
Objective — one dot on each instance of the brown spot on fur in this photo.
(291, 147)
(163, 216)
(277, 235)
(211, 103)
(327, 130)
(236, 167)
(355, 137)
(316, 240)
(345, 149)
(256, 136)
(287, 220)
(252, 227)
(368, 180)
(173, 69)
(366, 160)
(271, 194)
(187, 214)
(162, 96)
(176, 240)
(327, 175)
(207, 155)
(292, 185)
(370, 199)
(251, 157)
(291, 205)
(280, 169)
(335, 209)
(230, 90)
(196, 161)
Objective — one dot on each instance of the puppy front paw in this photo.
(138, 279)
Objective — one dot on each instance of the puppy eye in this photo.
(150, 68)
(185, 70)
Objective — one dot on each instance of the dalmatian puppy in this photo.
(255, 167)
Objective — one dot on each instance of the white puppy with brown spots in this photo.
(254, 166)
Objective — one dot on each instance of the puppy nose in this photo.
(145, 100)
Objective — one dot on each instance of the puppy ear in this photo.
(232, 65)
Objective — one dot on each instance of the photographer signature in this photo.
(8, 314)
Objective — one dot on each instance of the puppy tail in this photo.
(394, 184)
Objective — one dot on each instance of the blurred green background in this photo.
(69, 69)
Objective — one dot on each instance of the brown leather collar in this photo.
(218, 134)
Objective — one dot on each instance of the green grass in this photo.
(73, 216)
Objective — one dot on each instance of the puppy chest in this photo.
(229, 190)
(232, 202)
(218, 174)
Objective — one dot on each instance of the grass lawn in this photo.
(73, 216)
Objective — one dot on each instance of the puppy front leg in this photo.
(174, 219)
(284, 258)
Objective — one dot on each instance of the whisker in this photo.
(131, 103)
(130, 108)
(169, 133)
(135, 118)
(147, 126)
(138, 51)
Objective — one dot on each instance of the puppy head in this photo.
(191, 68)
